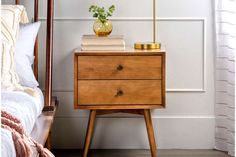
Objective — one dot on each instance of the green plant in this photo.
(100, 13)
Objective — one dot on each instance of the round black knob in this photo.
(119, 92)
(120, 67)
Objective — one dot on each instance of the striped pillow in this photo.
(12, 15)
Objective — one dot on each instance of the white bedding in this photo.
(24, 107)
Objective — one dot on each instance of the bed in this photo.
(34, 109)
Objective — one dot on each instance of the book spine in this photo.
(109, 37)
(102, 48)
(102, 42)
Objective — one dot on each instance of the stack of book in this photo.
(109, 43)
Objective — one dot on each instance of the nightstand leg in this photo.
(89, 133)
(150, 131)
(49, 142)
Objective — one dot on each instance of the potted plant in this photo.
(102, 26)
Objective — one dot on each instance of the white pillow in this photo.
(11, 16)
(24, 55)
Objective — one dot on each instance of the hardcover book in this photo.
(116, 40)
(103, 48)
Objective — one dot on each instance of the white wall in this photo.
(185, 28)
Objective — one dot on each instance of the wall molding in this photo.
(200, 19)
(141, 117)
(167, 90)
(128, 18)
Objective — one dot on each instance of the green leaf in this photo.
(95, 15)
(112, 9)
(109, 14)
(100, 12)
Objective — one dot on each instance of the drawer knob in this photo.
(119, 92)
(120, 67)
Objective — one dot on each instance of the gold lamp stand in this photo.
(150, 45)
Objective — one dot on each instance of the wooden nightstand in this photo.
(130, 81)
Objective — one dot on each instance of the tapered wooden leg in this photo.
(49, 142)
(150, 131)
(89, 133)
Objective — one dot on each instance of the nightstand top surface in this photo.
(127, 51)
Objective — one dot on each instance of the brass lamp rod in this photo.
(150, 45)
(154, 21)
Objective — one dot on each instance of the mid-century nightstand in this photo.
(130, 81)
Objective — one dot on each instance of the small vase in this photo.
(102, 29)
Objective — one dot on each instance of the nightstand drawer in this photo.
(119, 92)
(119, 67)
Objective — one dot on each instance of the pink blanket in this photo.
(23, 143)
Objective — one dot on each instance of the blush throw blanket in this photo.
(23, 143)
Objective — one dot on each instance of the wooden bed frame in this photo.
(42, 128)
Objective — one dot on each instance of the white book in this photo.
(106, 37)
(102, 48)
(109, 40)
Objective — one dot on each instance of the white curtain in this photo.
(225, 22)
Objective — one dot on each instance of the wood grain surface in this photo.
(116, 92)
(119, 67)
